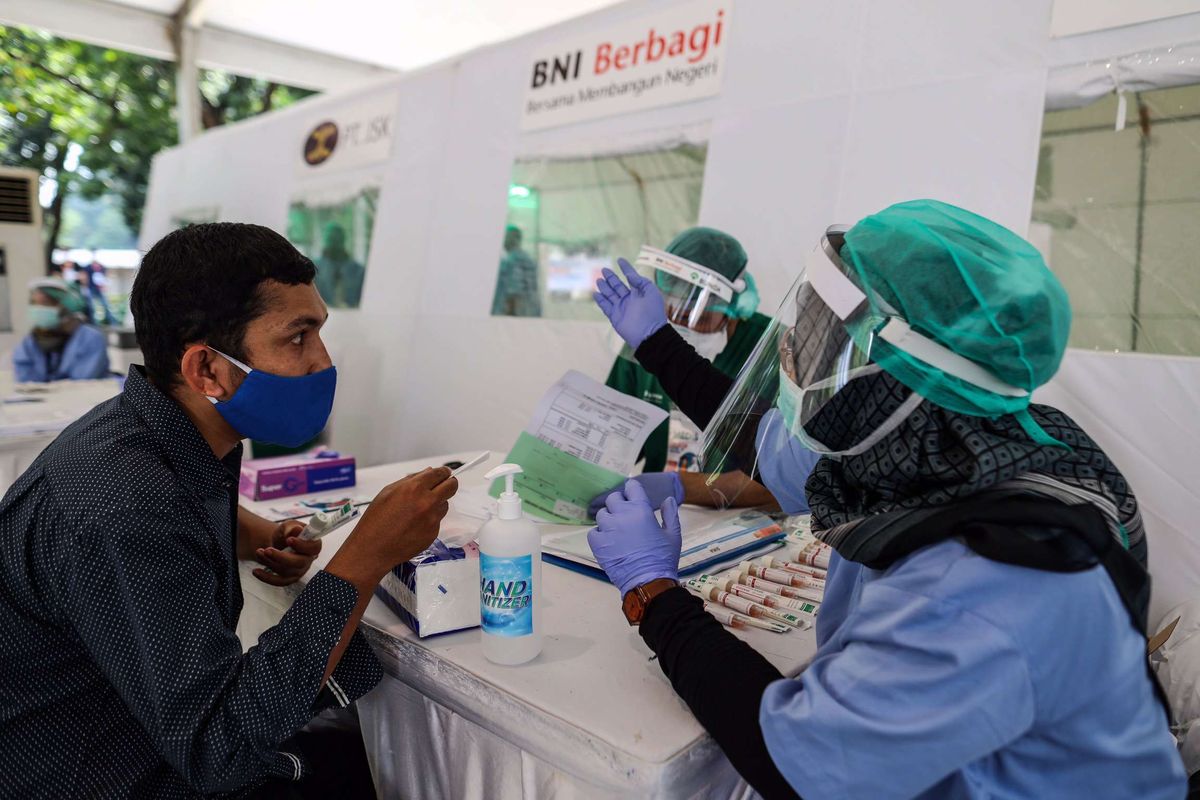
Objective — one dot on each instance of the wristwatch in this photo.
(636, 599)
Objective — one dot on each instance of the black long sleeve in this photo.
(722, 680)
(689, 379)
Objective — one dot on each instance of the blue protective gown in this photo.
(84, 357)
(949, 675)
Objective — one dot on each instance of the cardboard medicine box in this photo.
(287, 476)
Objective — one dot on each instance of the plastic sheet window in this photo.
(569, 217)
(1117, 215)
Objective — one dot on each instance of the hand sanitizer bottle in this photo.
(510, 579)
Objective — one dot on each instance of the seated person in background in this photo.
(676, 323)
(121, 674)
(983, 627)
(61, 346)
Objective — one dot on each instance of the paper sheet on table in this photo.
(594, 423)
(708, 536)
(584, 438)
(555, 486)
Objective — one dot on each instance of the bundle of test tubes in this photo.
(778, 592)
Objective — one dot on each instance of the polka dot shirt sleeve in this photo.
(143, 599)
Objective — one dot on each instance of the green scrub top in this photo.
(630, 378)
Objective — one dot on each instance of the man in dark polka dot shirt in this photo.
(120, 672)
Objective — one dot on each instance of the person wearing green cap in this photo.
(60, 346)
(339, 275)
(711, 302)
(983, 629)
(517, 293)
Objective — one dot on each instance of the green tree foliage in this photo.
(89, 119)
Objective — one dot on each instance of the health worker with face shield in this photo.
(61, 345)
(983, 627)
(699, 306)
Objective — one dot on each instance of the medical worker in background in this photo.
(60, 346)
(339, 276)
(517, 293)
(708, 310)
(983, 628)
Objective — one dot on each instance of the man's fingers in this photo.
(305, 547)
(446, 489)
(284, 563)
(432, 476)
(273, 579)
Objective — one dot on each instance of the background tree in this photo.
(89, 119)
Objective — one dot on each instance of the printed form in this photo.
(594, 423)
(584, 439)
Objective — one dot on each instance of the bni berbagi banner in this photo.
(673, 56)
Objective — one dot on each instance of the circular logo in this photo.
(321, 143)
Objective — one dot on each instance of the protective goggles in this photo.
(696, 297)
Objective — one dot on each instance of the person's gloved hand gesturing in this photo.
(658, 485)
(630, 544)
(635, 311)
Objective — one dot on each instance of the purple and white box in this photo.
(437, 591)
(287, 476)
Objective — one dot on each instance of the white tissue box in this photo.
(437, 591)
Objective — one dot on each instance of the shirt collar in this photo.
(185, 448)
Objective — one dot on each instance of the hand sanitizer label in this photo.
(506, 595)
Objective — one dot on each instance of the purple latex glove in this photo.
(630, 544)
(635, 311)
(658, 485)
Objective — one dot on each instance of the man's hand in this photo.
(286, 568)
(401, 521)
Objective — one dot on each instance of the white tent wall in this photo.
(1142, 410)
(828, 110)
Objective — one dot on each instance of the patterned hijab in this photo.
(939, 458)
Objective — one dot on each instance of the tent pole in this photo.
(186, 23)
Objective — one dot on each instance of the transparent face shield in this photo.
(812, 383)
(697, 298)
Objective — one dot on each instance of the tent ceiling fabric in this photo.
(401, 34)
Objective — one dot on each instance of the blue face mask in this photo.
(277, 409)
(783, 463)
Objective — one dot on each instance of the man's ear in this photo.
(204, 371)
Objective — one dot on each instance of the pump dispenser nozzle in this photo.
(510, 501)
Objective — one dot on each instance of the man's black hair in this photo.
(204, 284)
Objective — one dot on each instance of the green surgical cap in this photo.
(710, 248)
(60, 292)
(973, 286)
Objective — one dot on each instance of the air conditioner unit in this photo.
(22, 255)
